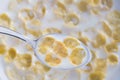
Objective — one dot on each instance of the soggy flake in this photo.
(77, 56)
(72, 19)
(11, 55)
(113, 59)
(100, 64)
(106, 4)
(111, 47)
(82, 6)
(5, 19)
(23, 61)
(60, 49)
(2, 49)
(107, 29)
(26, 14)
(97, 75)
(52, 60)
(71, 42)
(52, 30)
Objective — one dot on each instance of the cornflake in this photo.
(23, 61)
(36, 22)
(26, 14)
(40, 10)
(77, 56)
(111, 47)
(72, 19)
(100, 39)
(82, 6)
(106, 4)
(114, 18)
(46, 68)
(61, 10)
(54, 61)
(68, 1)
(60, 49)
(97, 75)
(2, 49)
(52, 30)
(116, 37)
(46, 44)
(94, 2)
(13, 74)
(35, 33)
(71, 42)
(113, 59)
(5, 19)
(100, 64)
(107, 29)
(93, 55)
(30, 77)
(84, 39)
(11, 55)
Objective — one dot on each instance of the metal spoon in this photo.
(34, 44)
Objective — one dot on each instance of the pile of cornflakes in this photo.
(93, 22)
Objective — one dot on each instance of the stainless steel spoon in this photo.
(34, 44)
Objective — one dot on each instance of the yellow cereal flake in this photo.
(77, 56)
(116, 37)
(82, 6)
(36, 22)
(95, 11)
(61, 5)
(84, 39)
(2, 49)
(93, 55)
(40, 10)
(23, 60)
(107, 29)
(60, 11)
(37, 68)
(114, 18)
(26, 14)
(94, 44)
(46, 68)
(11, 55)
(13, 74)
(97, 75)
(60, 49)
(72, 19)
(53, 61)
(113, 59)
(30, 77)
(111, 47)
(52, 30)
(5, 19)
(94, 2)
(48, 41)
(43, 49)
(100, 64)
(100, 39)
(107, 4)
(35, 33)
(71, 42)
(68, 1)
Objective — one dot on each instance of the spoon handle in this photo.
(6, 31)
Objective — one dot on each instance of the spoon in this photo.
(35, 44)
